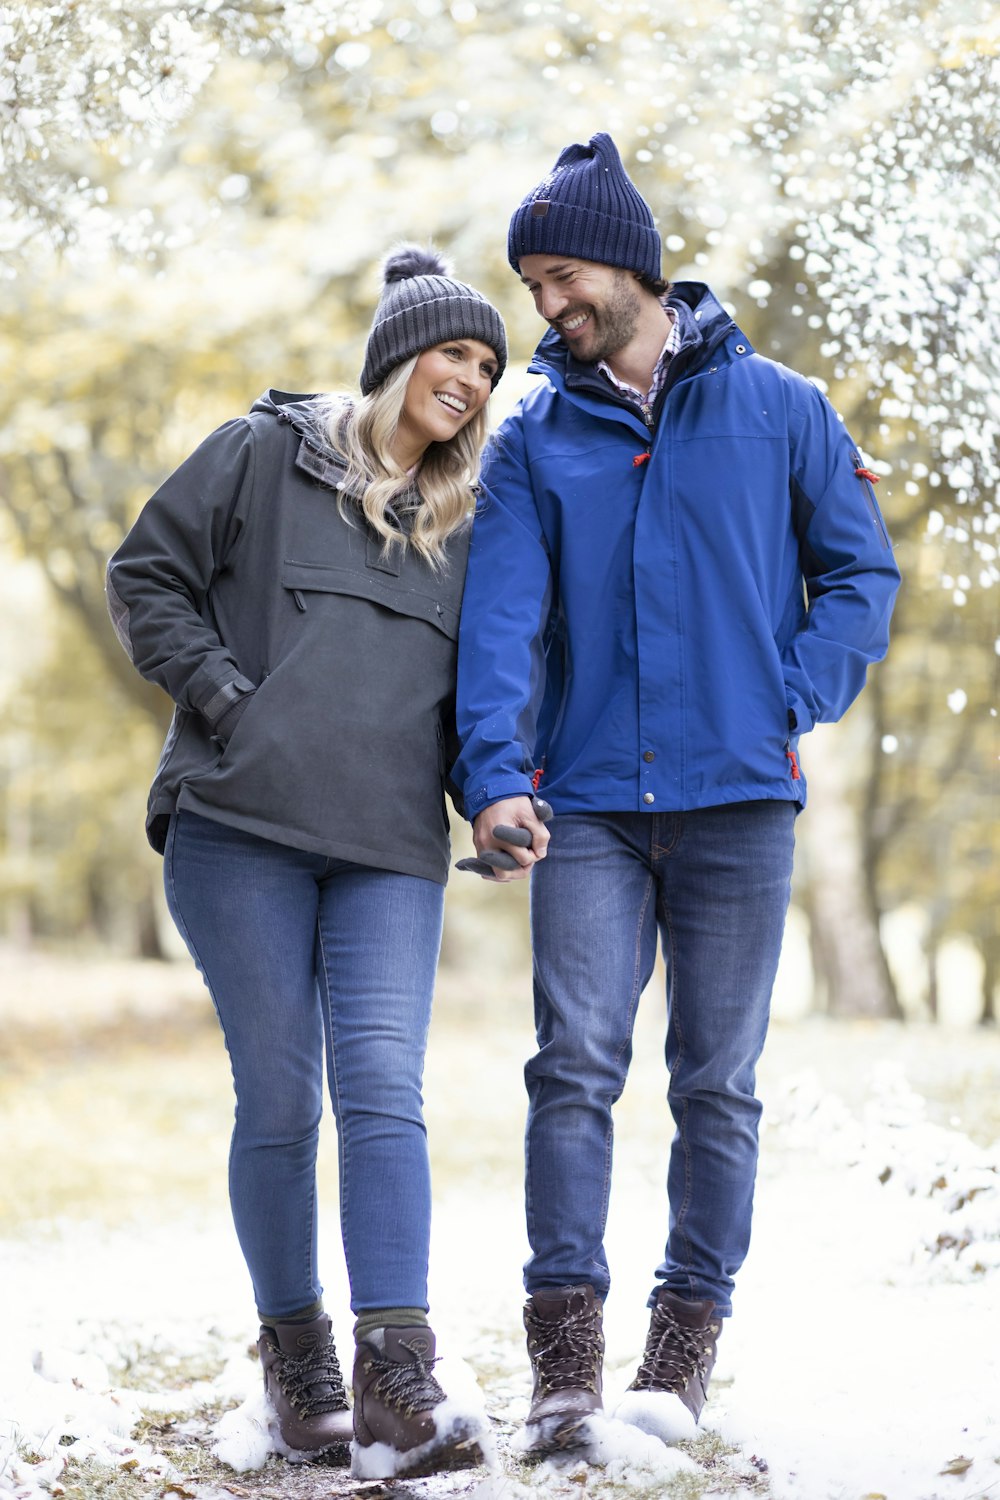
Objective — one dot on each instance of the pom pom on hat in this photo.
(413, 260)
(423, 305)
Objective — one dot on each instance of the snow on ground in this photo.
(863, 1360)
(872, 1365)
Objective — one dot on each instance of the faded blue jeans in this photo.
(715, 882)
(303, 955)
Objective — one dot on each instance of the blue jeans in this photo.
(716, 884)
(300, 952)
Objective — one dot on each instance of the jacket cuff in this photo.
(225, 725)
(800, 720)
(224, 698)
(483, 796)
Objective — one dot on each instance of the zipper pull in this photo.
(860, 472)
(793, 761)
(640, 459)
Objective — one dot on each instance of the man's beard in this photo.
(613, 323)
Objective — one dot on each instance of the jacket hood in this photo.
(315, 456)
(704, 324)
(288, 407)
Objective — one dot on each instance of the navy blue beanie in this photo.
(589, 208)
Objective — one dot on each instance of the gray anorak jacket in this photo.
(241, 579)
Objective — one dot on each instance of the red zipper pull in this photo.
(793, 761)
(640, 459)
(536, 778)
(868, 474)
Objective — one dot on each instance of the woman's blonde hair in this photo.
(361, 433)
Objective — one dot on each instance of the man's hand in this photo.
(510, 837)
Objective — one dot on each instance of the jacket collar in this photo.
(329, 469)
(702, 323)
(315, 457)
(326, 467)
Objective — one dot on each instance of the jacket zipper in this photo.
(865, 478)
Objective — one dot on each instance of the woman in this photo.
(295, 587)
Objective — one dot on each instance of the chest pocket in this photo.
(382, 559)
(378, 587)
(326, 552)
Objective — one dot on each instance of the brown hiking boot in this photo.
(668, 1393)
(306, 1390)
(566, 1348)
(404, 1423)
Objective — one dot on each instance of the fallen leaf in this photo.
(957, 1466)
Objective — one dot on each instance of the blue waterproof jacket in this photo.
(655, 611)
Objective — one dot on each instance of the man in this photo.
(678, 568)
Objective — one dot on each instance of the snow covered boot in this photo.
(305, 1387)
(404, 1424)
(566, 1348)
(669, 1390)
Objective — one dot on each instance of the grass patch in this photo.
(154, 1367)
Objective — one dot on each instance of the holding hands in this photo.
(510, 837)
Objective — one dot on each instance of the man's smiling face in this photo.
(594, 308)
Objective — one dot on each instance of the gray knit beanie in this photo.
(422, 305)
(587, 207)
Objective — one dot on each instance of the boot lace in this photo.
(674, 1354)
(407, 1386)
(566, 1352)
(313, 1381)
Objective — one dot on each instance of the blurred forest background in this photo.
(194, 201)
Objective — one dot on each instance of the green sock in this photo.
(304, 1315)
(388, 1317)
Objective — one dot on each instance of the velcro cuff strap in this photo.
(225, 698)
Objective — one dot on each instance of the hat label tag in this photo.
(540, 208)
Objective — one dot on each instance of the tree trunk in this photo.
(933, 947)
(16, 851)
(991, 978)
(147, 939)
(848, 957)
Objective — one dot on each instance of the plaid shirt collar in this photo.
(670, 348)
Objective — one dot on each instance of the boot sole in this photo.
(450, 1454)
(555, 1435)
(446, 1459)
(335, 1456)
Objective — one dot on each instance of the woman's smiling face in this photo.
(450, 383)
